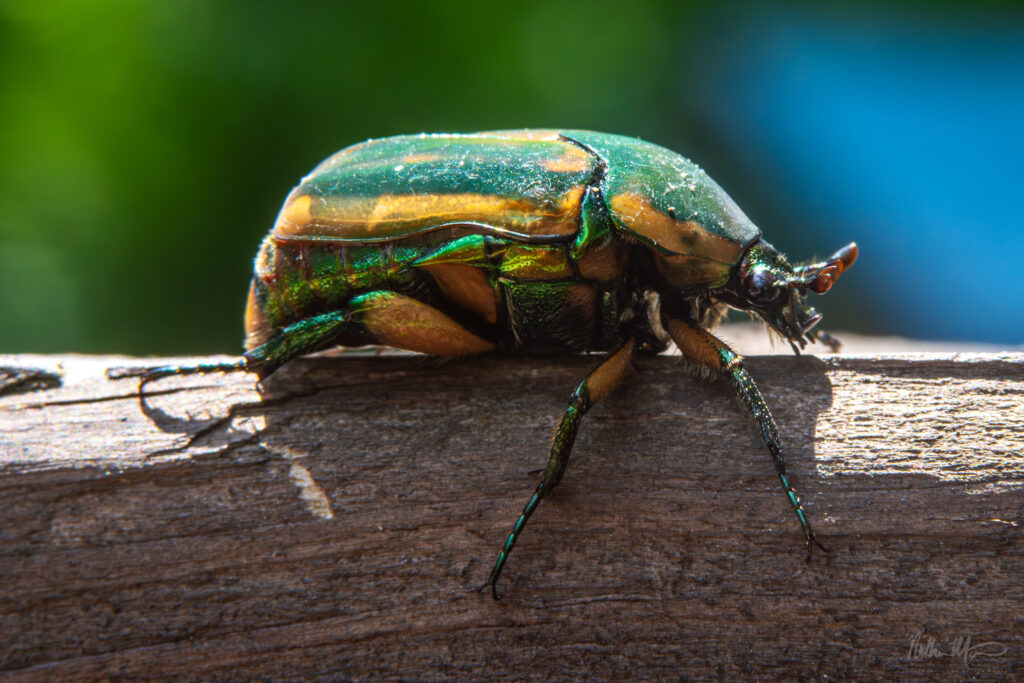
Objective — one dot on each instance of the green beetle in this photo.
(533, 241)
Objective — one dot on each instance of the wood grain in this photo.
(337, 523)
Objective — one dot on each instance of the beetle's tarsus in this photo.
(147, 375)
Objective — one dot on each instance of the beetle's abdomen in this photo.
(295, 280)
(521, 297)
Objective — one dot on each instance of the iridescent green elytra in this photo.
(530, 241)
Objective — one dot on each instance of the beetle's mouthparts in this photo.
(797, 321)
(819, 277)
(811, 318)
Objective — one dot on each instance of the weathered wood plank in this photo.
(337, 524)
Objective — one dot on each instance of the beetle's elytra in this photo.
(524, 241)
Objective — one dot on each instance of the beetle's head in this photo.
(766, 284)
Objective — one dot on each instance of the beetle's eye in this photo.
(760, 286)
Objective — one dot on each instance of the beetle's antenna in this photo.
(819, 277)
(147, 375)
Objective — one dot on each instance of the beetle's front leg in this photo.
(595, 386)
(707, 350)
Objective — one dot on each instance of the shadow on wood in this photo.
(339, 524)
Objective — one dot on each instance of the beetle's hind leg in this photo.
(301, 337)
(708, 351)
(598, 383)
(381, 317)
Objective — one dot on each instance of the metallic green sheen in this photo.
(469, 250)
(310, 276)
(450, 164)
(670, 182)
(596, 225)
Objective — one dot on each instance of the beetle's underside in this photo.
(526, 241)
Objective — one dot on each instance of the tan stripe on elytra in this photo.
(572, 160)
(295, 214)
(420, 157)
(681, 237)
(404, 208)
(364, 217)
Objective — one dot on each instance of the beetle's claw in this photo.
(811, 542)
(494, 589)
(822, 337)
(493, 586)
(124, 373)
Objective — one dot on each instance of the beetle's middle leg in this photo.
(708, 351)
(595, 386)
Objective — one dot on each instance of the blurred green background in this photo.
(145, 147)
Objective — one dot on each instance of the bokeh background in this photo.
(145, 146)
